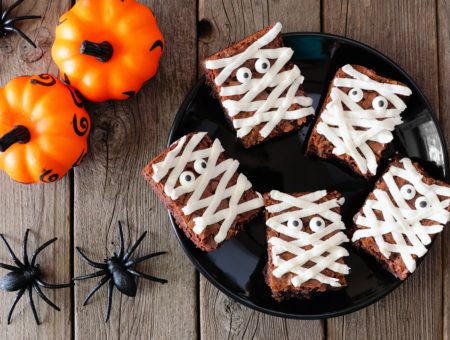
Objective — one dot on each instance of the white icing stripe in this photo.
(323, 253)
(274, 108)
(399, 220)
(174, 166)
(350, 129)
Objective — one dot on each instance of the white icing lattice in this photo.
(206, 169)
(399, 219)
(275, 108)
(350, 130)
(324, 253)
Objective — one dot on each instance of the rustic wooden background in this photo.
(84, 207)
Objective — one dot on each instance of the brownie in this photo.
(210, 201)
(262, 95)
(297, 224)
(406, 207)
(371, 117)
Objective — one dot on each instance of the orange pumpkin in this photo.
(43, 129)
(108, 49)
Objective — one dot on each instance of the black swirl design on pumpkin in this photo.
(79, 159)
(44, 80)
(129, 93)
(66, 79)
(47, 176)
(80, 127)
(157, 43)
(76, 97)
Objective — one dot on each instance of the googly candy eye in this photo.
(317, 224)
(244, 75)
(187, 179)
(408, 191)
(200, 166)
(356, 94)
(422, 203)
(295, 223)
(262, 65)
(380, 104)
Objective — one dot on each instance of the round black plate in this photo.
(237, 267)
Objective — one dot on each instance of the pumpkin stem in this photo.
(19, 134)
(102, 51)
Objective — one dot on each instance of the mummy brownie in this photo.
(208, 198)
(401, 217)
(259, 87)
(357, 118)
(304, 233)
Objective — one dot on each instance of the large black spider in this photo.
(26, 277)
(7, 23)
(119, 270)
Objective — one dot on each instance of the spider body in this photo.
(26, 276)
(119, 270)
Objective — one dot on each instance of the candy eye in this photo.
(408, 191)
(244, 75)
(200, 166)
(356, 94)
(262, 65)
(317, 224)
(380, 104)
(295, 223)
(421, 203)
(187, 178)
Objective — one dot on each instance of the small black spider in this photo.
(119, 270)
(26, 277)
(7, 23)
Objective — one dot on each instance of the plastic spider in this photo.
(26, 277)
(119, 270)
(7, 23)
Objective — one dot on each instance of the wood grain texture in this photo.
(109, 187)
(405, 31)
(226, 22)
(43, 208)
(443, 11)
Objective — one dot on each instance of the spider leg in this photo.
(11, 253)
(10, 9)
(108, 305)
(146, 276)
(8, 267)
(44, 297)
(88, 260)
(19, 32)
(41, 248)
(90, 276)
(25, 248)
(122, 245)
(134, 246)
(25, 17)
(33, 307)
(17, 298)
(53, 286)
(97, 287)
(143, 258)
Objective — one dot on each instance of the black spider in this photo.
(26, 277)
(119, 270)
(7, 23)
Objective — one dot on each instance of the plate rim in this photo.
(170, 139)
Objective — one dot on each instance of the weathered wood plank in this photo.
(222, 317)
(109, 187)
(43, 208)
(405, 31)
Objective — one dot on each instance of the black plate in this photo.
(237, 267)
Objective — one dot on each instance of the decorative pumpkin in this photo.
(107, 49)
(43, 129)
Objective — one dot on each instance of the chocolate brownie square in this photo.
(357, 119)
(259, 87)
(210, 201)
(304, 236)
(401, 217)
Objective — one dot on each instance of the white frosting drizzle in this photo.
(174, 165)
(275, 108)
(324, 253)
(399, 219)
(350, 130)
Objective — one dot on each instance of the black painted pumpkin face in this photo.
(43, 129)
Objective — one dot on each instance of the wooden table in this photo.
(83, 208)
